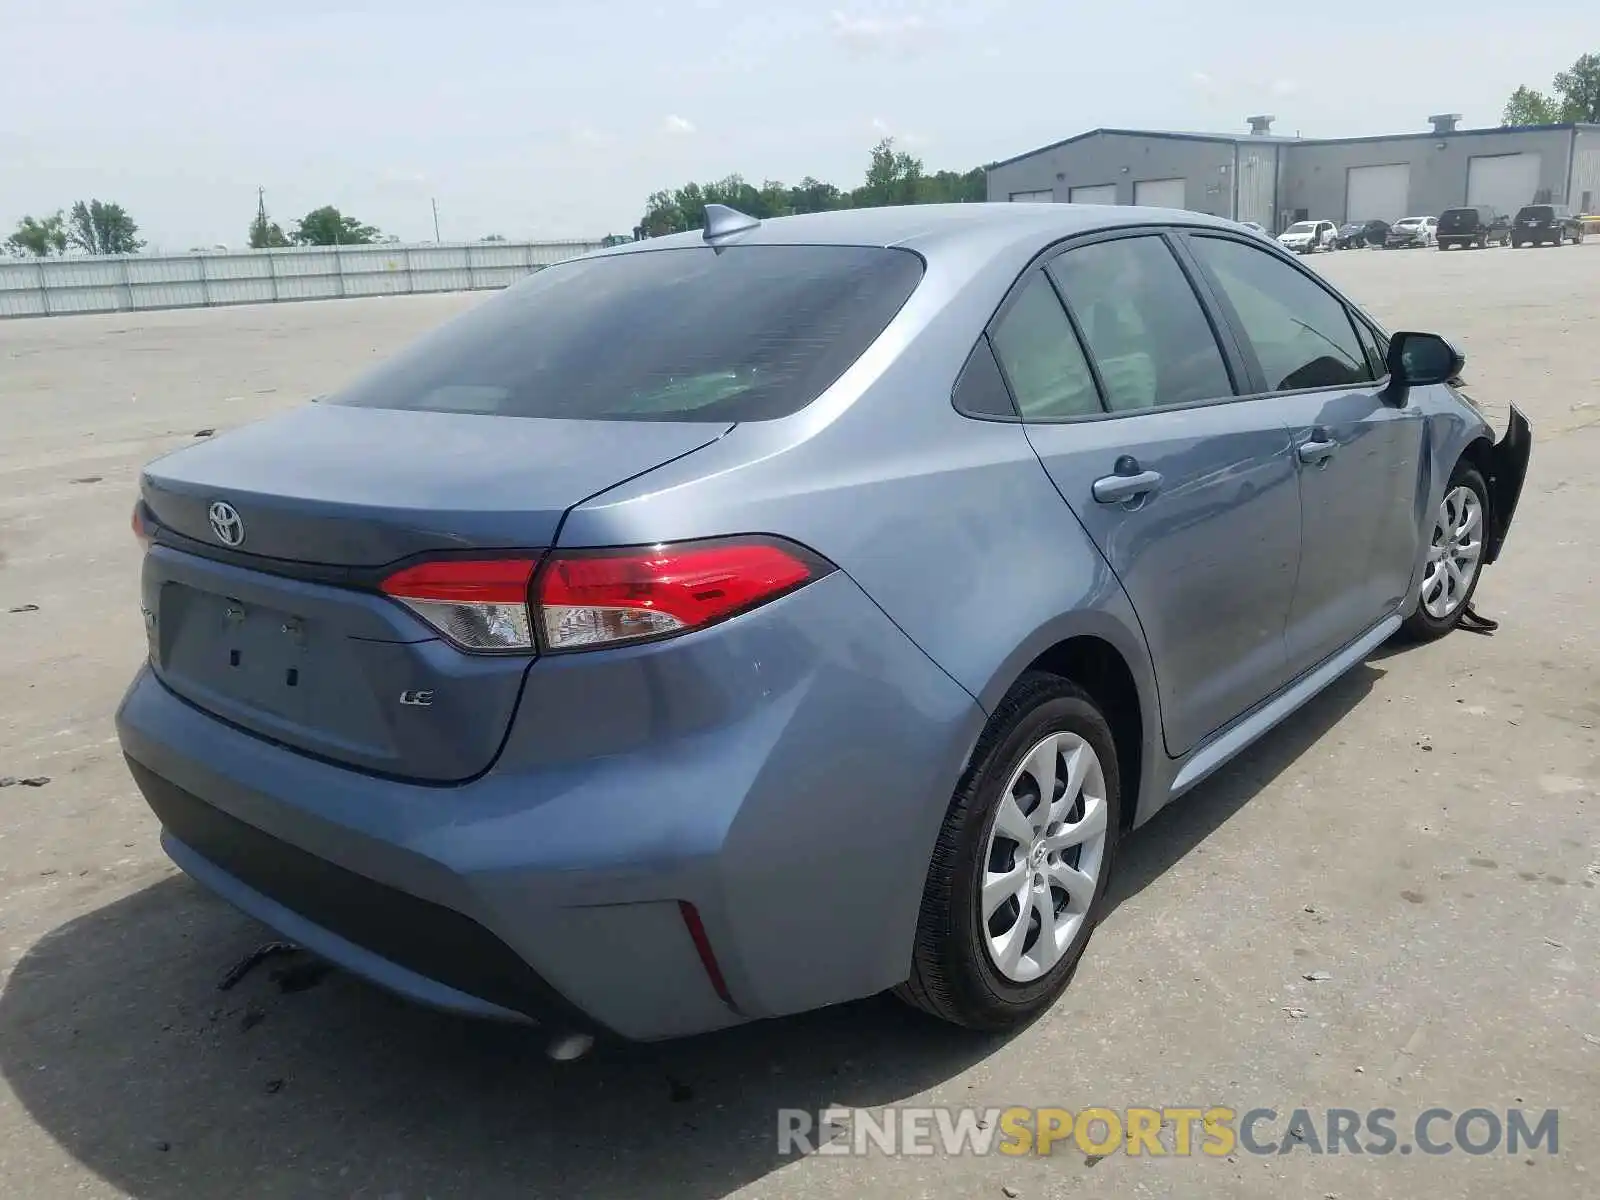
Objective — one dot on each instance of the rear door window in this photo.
(1041, 357)
(744, 333)
(1301, 334)
(1143, 323)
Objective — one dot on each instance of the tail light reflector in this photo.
(477, 604)
(605, 597)
(581, 599)
(141, 527)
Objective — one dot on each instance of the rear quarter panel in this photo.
(949, 524)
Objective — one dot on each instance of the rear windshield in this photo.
(1455, 218)
(1542, 212)
(747, 333)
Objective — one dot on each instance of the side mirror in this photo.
(1422, 360)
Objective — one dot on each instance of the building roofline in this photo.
(1169, 135)
(1481, 131)
(1276, 140)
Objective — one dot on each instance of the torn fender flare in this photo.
(1509, 468)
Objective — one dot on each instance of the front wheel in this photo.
(1019, 873)
(1454, 556)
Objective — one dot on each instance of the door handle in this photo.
(1114, 489)
(1319, 449)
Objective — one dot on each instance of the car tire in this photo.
(963, 968)
(1433, 618)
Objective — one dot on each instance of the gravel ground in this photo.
(1422, 840)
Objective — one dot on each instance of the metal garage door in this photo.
(1377, 193)
(1503, 181)
(1159, 193)
(1032, 197)
(1105, 193)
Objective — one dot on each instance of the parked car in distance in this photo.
(1546, 224)
(1475, 225)
(1353, 235)
(826, 642)
(1411, 231)
(1307, 237)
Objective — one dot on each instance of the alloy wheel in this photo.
(1454, 553)
(1044, 857)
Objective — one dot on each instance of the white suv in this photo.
(1307, 237)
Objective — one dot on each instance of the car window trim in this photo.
(1258, 376)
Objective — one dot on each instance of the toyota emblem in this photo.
(226, 523)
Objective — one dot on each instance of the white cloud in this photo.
(402, 177)
(1284, 87)
(588, 137)
(678, 126)
(903, 139)
(872, 34)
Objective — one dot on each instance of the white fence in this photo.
(45, 287)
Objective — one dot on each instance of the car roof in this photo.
(926, 226)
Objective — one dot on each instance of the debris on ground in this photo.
(253, 960)
(22, 608)
(204, 432)
(1298, 1014)
(274, 1086)
(1009, 1192)
(33, 781)
(88, 479)
(1316, 976)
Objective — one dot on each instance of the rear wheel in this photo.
(1454, 556)
(1020, 870)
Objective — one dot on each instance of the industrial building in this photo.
(1274, 180)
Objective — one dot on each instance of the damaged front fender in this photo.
(1507, 472)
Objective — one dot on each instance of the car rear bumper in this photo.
(677, 837)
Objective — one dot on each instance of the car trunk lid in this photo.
(275, 623)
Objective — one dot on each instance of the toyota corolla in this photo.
(749, 620)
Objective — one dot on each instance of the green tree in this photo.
(265, 234)
(327, 226)
(1529, 107)
(1574, 96)
(97, 228)
(893, 177)
(1579, 89)
(39, 237)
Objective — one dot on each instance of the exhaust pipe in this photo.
(569, 1046)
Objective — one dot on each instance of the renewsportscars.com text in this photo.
(1211, 1131)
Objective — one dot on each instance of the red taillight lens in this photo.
(141, 527)
(595, 598)
(480, 604)
(603, 597)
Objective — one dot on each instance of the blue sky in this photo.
(556, 119)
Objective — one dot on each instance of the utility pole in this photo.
(436, 237)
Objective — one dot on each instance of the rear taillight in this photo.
(603, 597)
(479, 604)
(583, 599)
(141, 526)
